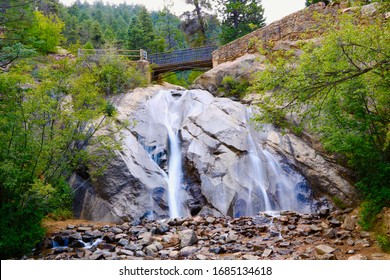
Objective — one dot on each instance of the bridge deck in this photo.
(182, 59)
(162, 62)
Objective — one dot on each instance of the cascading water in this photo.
(175, 173)
(171, 106)
(258, 171)
(269, 172)
(266, 183)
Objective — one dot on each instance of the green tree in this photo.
(167, 26)
(46, 32)
(341, 91)
(16, 17)
(240, 17)
(141, 32)
(49, 115)
(197, 17)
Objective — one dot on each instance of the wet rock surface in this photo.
(286, 235)
(228, 167)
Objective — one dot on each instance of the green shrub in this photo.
(20, 230)
(338, 202)
(233, 87)
(383, 242)
(116, 75)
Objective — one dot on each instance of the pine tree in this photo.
(240, 17)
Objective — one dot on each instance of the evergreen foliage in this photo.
(240, 17)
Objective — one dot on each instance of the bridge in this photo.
(181, 60)
(178, 60)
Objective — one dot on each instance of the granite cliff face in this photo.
(222, 165)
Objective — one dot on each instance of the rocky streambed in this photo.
(285, 235)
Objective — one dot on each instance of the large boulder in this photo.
(239, 69)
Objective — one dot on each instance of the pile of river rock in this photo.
(287, 235)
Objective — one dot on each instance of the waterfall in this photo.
(263, 181)
(166, 109)
(175, 174)
(269, 172)
(258, 171)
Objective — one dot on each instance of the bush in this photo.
(233, 87)
(44, 130)
(20, 230)
(46, 32)
(116, 75)
(383, 242)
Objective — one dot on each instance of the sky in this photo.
(274, 9)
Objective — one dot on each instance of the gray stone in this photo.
(350, 242)
(134, 247)
(218, 250)
(335, 222)
(324, 249)
(338, 242)
(164, 253)
(174, 254)
(77, 244)
(370, 9)
(158, 245)
(74, 236)
(326, 257)
(187, 251)
(120, 236)
(140, 254)
(210, 220)
(315, 228)
(123, 242)
(151, 250)
(250, 257)
(201, 257)
(358, 257)
(125, 252)
(363, 242)
(349, 223)
(330, 233)
(284, 252)
(187, 238)
(146, 238)
(232, 238)
(116, 230)
(284, 244)
(267, 252)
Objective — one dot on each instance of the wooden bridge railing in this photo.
(131, 54)
(182, 56)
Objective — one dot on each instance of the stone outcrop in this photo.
(324, 175)
(239, 69)
(224, 160)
